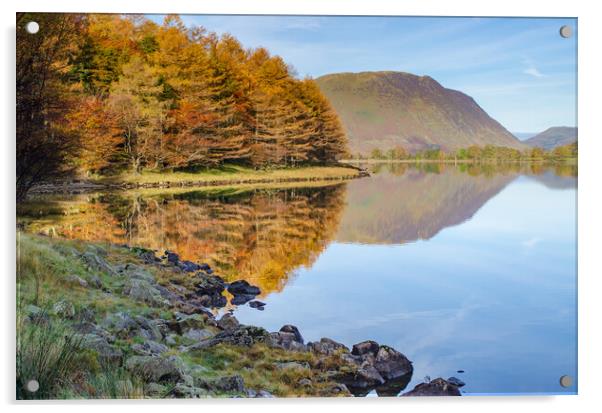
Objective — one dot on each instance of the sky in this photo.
(520, 70)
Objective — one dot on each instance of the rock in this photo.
(264, 394)
(170, 340)
(228, 322)
(144, 291)
(205, 267)
(340, 388)
(365, 347)
(198, 334)
(63, 309)
(107, 353)
(188, 266)
(456, 382)
(210, 284)
(153, 329)
(156, 390)
(391, 364)
(304, 382)
(96, 263)
(156, 368)
(241, 299)
(392, 388)
(185, 322)
(292, 365)
(286, 341)
(147, 256)
(259, 305)
(85, 314)
(74, 279)
(327, 346)
(96, 282)
(242, 336)
(242, 287)
(184, 391)
(289, 328)
(121, 324)
(365, 378)
(35, 314)
(226, 384)
(149, 348)
(215, 300)
(172, 257)
(136, 272)
(437, 387)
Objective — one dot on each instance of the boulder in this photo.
(149, 348)
(228, 322)
(456, 382)
(366, 377)
(184, 391)
(96, 263)
(241, 299)
(35, 314)
(226, 384)
(242, 336)
(286, 341)
(391, 364)
(365, 347)
(172, 257)
(63, 309)
(137, 272)
(188, 266)
(210, 284)
(242, 287)
(143, 291)
(289, 328)
(157, 369)
(107, 353)
(326, 346)
(198, 334)
(437, 387)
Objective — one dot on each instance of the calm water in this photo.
(459, 268)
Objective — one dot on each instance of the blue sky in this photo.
(519, 70)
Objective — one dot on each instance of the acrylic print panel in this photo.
(283, 206)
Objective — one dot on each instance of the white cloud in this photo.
(530, 243)
(533, 72)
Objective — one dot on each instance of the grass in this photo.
(235, 175)
(49, 351)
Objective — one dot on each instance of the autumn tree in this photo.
(45, 146)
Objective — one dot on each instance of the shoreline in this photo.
(571, 161)
(153, 180)
(155, 322)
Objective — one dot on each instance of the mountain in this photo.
(522, 136)
(553, 137)
(385, 109)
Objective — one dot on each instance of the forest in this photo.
(103, 94)
(476, 153)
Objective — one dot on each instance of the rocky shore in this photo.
(164, 322)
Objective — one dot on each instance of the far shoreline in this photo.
(229, 176)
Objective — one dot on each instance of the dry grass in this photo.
(236, 175)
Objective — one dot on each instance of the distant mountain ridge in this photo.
(553, 137)
(381, 110)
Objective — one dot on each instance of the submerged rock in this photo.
(259, 305)
(437, 387)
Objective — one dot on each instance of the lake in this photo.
(459, 267)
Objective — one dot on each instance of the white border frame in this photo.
(589, 199)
